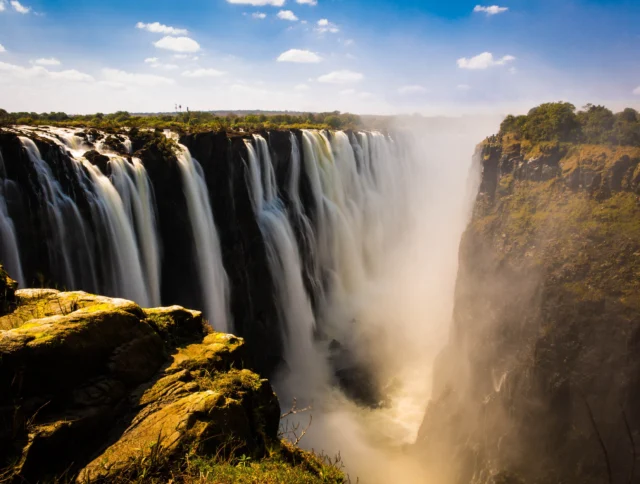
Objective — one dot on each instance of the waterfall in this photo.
(67, 248)
(283, 256)
(208, 254)
(127, 272)
(9, 252)
(132, 183)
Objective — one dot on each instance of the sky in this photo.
(443, 57)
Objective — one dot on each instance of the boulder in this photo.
(94, 384)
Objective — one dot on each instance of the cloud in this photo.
(300, 56)
(341, 77)
(483, 61)
(348, 92)
(18, 7)
(287, 15)
(168, 67)
(490, 10)
(151, 60)
(158, 28)
(2, 6)
(312, 3)
(35, 72)
(116, 77)
(636, 91)
(325, 26)
(415, 89)
(259, 15)
(304, 87)
(463, 87)
(203, 73)
(258, 3)
(177, 44)
(47, 62)
(2, 49)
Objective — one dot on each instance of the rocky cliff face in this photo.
(223, 161)
(100, 390)
(540, 381)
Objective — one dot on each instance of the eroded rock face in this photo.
(100, 383)
(544, 358)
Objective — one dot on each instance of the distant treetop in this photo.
(561, 122)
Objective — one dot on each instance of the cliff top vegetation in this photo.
(187, 120)
(560, 122)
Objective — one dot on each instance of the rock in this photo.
(99, 160)
(233, 413)
(96, 384)
(176, 324)
(7, 292)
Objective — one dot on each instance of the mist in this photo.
(395, 321)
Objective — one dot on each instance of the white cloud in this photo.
(300, 56)
(35, 72)
(2, 49)
(341, 77)
(483, 61)
(151, 60)
(258, 3)
(325, 26)
(2, 6)
(259, 15)
(115, 77)
(158, 28)
(463, 87)
(313, 3)
(490, 10)
(168, 67)
(304, 87)
(203, 73)
(18, 7)
(287, 15)
(349, 42)
(414, 89)
(636, 91)
(348, 92)
(177, 44)
(47, 62)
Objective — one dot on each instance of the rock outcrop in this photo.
(541, 376)
(93, 386)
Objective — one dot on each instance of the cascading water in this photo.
(358, 237)
(126, 273)
(208, 254)
(9, 251)
(69, 255)
(132, 183)
(283, 256)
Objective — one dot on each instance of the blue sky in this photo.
(375, 56)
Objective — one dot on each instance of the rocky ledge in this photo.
(99, 389)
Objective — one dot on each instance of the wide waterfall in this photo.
(310, 244)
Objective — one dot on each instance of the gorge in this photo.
(339, 257)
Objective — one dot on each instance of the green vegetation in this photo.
(559, 122)
(186, 121)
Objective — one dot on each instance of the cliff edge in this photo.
(97, 389)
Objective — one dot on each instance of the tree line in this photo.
(191, 120)
(561, 122)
